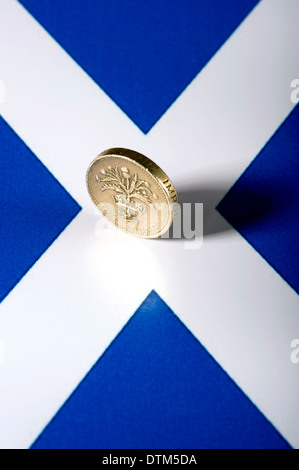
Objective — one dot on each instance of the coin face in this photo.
(132, 192)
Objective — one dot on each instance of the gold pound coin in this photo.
(132, 192)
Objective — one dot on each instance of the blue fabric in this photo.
(263, 204)
(34, 210)
(156, 387)
(141, 53)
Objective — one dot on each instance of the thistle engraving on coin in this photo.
(132, 192)
(128, 191)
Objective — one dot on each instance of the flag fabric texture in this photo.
(109, 341)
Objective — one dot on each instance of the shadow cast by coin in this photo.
(250, 205)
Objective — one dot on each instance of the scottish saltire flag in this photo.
(109, 341)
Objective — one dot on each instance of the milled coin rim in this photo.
(153, 170)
